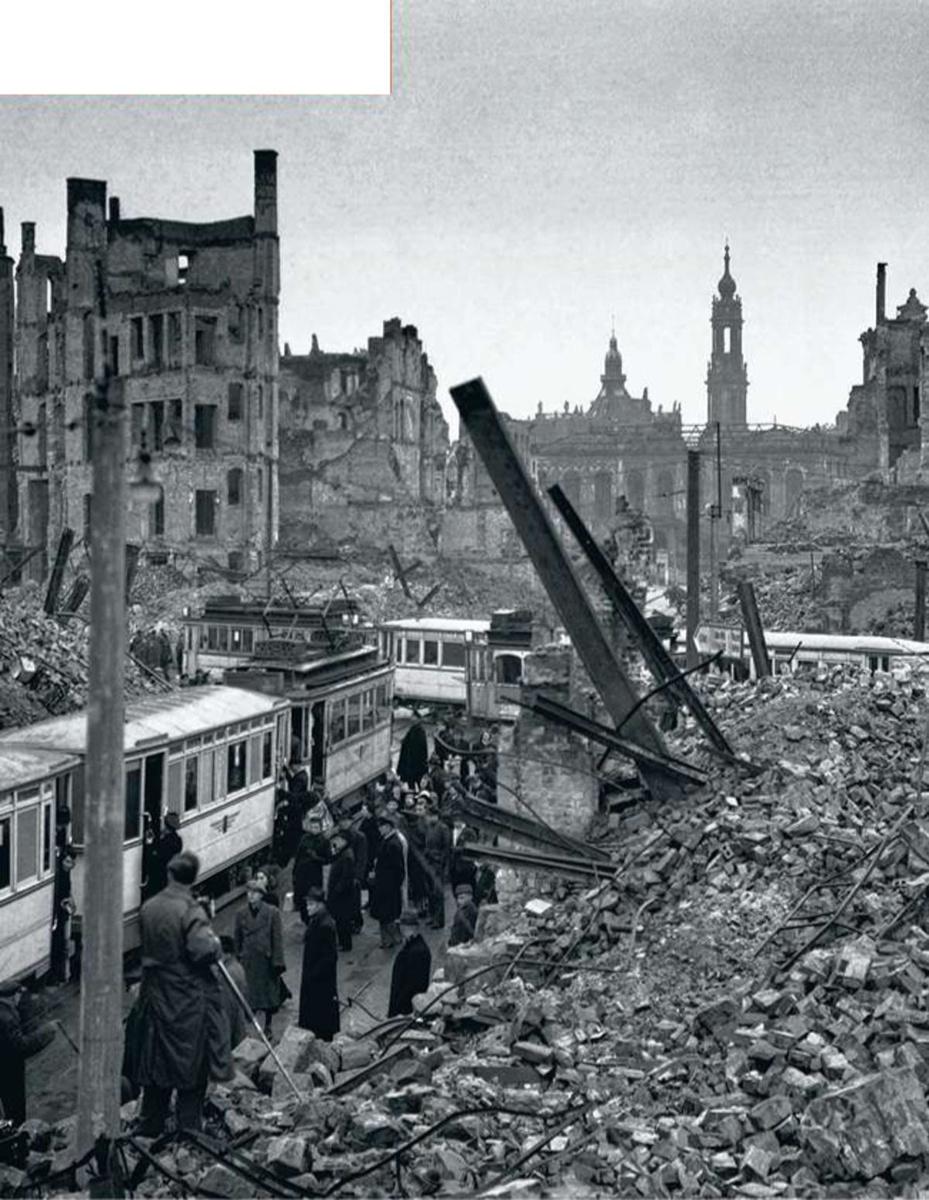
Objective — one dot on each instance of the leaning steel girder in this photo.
(492, 442)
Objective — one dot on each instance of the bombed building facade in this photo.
(363, 440)
(184, 317)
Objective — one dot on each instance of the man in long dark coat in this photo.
(340, 892)
(319, 986)
(410, 974)
(438, 851)
(387, 892)
(259, 944)
(414, 755)
(17, 1043)
(183, 1021)
(359, 844)
(312, 855)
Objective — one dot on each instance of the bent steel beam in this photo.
(657, 659)
(489, 435)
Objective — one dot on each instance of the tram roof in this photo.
(157, 718)
(439, 625)
(22, 765)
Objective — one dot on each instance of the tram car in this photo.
(801, 652)
(225, 634)
(211, 754)
(460, 662)
(341, 709)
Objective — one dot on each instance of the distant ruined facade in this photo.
(363, 438)
(185, 318)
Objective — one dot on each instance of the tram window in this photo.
(382, 708)
(219, 782)
(235, 640)
(266, 756)
(430, 652)
(235, 767)
(354, 716)
(190, 782)
(508, 668)
(453, 654)
(6, 827)
(133, 819)
(411, 650)
(872, 662)
(367, 710)
(885, 663)
(27, 844)
(248, 640)
(254, 759)
(337, 722)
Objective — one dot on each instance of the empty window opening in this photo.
(205, 341)
(205, 506)
(138, 339)
(234, 410)
(114, 355)
(727, 340)
(916, 403)
(235, 322)
(205, 426)
(175, 428)
(234, 485)
(156, 332)
(183, 266)
(49, 297)
(158, 517)
(174, 339)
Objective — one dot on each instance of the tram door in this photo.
(318, 755)
(62, 904)
(152, 797)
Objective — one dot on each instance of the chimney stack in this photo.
(28, 234)
(881, 298)
(114, 209)
(266, 191)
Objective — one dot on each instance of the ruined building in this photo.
(885, 414)
(363, 441)
(8, 506)
(190, 333)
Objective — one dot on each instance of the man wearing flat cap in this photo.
(259, 944)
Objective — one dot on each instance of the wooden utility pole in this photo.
(919, 622)
(716, 512)
(693, 555)
(98, 1098)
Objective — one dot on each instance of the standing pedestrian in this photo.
(259, 943)
(340, 894)
(462, 930)
(387, 893)
(312, 854)
(184, 1024)
(17, 1043)
(359, 844)
(437, 852)
(410, 974)
(319, 988)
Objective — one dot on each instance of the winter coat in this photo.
(259, 944)
(359, 844)
(410, 974)
(17, 1043)
(340, 894)
(185, 1027)
(389, 874)
(319, 988)
(369, 827)
(312, 854)
(414, 755)
(415, 830)
(463, 924)
(438, 851)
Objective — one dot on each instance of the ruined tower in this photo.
(727, 375)
(7, 412)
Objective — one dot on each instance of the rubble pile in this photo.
(43, 662)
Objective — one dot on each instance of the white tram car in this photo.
(801, 652)
(211, 754)
(458, 662)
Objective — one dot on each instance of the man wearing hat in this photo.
(16, 1045)
(259, 944)
(319, 986)
(438, 849)
(312, 854)
(387, 892)
(465, 916)
(184, 1027)
(340, 891)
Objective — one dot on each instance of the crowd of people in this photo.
(394, 857)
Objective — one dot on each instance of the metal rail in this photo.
(503, 820)
(580, 868)
(657, 659)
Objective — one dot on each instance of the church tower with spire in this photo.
(727, 375)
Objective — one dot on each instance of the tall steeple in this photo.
(727, 375)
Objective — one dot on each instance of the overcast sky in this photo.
(545, 164)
